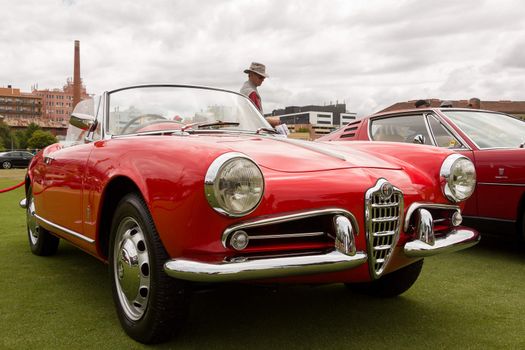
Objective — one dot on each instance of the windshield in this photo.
(489, 130)
(153, 108)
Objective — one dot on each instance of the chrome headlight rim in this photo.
(445, 177)
(213, 174)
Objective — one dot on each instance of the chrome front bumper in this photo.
(427, 244)
(262, 268)
(343, 257)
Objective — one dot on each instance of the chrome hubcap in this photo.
(131, 268)
(32, 225)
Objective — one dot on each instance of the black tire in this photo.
(7, 165)
(41, 241)
(151, 306)
(392, 284)
(521, 228)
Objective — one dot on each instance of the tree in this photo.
(22, 136)
(31, 128)
(6, 136)
(41, 139)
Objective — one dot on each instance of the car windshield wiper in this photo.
(218, 123)
(268, 130)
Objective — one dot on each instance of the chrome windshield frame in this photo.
(107, 99)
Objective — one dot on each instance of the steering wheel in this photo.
(151, 116)
(142, 126)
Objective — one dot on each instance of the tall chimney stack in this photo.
(76, 75)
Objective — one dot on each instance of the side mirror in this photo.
(420, 139)
(82, 121)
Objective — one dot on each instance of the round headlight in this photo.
(458, 177)
(234, 184)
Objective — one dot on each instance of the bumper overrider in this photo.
(426, 242)
(343, 256)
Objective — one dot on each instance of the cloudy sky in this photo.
(367, 53)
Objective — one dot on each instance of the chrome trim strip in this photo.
(65, 230)
(457, 239)
(500, 184)
(196, 271)
(416, 205)
(291, 235)
(286, 218)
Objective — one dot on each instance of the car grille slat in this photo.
(383, 233)
(287, 236)
(384, 205)
(383, 219)
(386, 219)
(382, 247)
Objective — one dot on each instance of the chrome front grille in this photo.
(384, 209)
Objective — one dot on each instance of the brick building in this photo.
(515, 108)
(48, 108)
(19, 105)
(57, 104)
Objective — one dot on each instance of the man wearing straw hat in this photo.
(256, 75)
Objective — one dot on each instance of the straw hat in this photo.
(257, 68)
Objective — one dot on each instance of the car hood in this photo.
(289, 155)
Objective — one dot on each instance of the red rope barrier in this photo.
(12, 187)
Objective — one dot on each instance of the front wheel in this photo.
(150, 304)
(521, 228)
(392, 284)
(6, 165)
(41, 242)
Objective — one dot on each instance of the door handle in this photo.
(48, 159)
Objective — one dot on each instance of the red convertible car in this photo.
(176, 186)
(493, 141)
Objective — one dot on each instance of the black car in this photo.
(18, 159)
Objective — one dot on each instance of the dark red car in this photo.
(492, 140)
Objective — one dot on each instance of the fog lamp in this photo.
(457, 219)
(239, 240)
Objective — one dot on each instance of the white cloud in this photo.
(368, 53)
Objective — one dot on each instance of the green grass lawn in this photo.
(473, 299)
